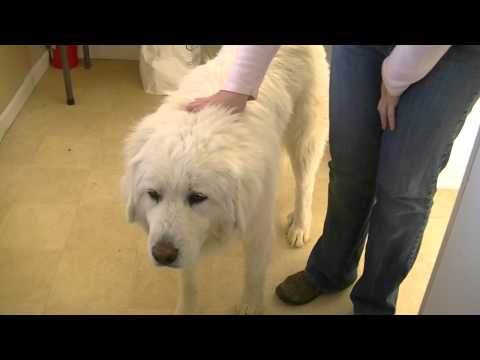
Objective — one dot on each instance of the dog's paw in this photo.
(297, 236)
(248, 309)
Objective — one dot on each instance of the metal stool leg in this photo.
(66, 75)
(86, 57)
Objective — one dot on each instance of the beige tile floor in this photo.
(65, 246)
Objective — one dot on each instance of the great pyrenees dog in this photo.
(195, 181)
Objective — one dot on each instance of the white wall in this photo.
(451, 177)
(455, 284)
(120, 52)
(131, 52)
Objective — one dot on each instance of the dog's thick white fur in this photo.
(233, 160)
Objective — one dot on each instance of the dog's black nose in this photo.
(164, 253)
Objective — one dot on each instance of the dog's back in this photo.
(295, 72)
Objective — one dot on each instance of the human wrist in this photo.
(238, 95)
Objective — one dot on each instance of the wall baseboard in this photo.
(7, 117)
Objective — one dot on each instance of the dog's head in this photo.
(183, 184)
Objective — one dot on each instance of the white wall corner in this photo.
(7, 117)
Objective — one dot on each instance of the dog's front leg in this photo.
(257, 256)
(187, 303)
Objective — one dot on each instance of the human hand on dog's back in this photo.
(228, 99)
(244, 80)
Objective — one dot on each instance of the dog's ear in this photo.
(234, 209)
(137, 139)
(128, 185)
(133, 145)
(239, 201)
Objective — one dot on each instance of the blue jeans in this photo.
(381, 182)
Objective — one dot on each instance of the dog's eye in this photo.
(155, 196)
(196, 198)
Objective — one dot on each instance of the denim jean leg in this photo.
(355, 136)
(429, 116)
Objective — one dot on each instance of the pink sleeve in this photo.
(408, 64)
(250, 68)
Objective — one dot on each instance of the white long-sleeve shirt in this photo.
(405, 65)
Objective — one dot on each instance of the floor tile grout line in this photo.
(62, 255)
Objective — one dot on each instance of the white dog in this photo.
(197, 180)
